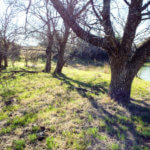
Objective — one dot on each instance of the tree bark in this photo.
(120, 88)
(122, 75)
(48, 58)
(26, 61)
(5, 54)
(1, 60)
(60, 62)
(61, 51)
(5, 62)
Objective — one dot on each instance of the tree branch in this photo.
(81, 33)
(146, 18)
(106, 19)
(142, 54)
(146, 5)
(80, 12)
(106, 23)
(133, 20)
(147, 13)
(22, 70)
(96, 13)
(27, 11)
(127, 2)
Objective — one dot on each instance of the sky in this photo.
(20, 21)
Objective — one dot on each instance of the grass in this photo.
(51, 143)
(19, 144)
(71, 111)
(32, 138)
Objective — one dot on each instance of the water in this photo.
(144, 73)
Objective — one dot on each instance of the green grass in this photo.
(51, 143)
(19, 144)
(35, 129)
(17, 122)
(71, 111)
(3, 116)
(32, 138)
(114, 147)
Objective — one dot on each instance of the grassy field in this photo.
(70, 111)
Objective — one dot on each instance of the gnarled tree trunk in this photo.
(122, 75)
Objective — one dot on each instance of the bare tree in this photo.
(45, 17)
(125, 62)
(50, 25)
(62, 41)
(72, 7)
(9, 32)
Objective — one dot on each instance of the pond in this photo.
(144, 73)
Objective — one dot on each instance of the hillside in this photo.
(71, 111)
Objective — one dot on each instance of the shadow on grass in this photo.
(143, 102)
(132, 130)
(83, 88)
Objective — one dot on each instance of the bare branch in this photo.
(83, 9)
(127, 2)
(92, 39)
(96, 13)
(106, 23)
(145, 6)
(133, 20)
(142, 54)
(145, 14)
(27, 11)
(145, 18)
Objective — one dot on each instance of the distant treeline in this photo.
(90, 52)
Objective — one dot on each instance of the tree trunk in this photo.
(26, 62)
(5, 55)
(59, 67)
(48, 59)
(61, 51)
(1, 60)
(122, 75)
(5, 62)
(60, 62)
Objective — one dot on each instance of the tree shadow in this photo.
(118, 125)
(83, 88)
(143, 102)
(138, 110)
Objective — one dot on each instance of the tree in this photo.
(87, 51)
(9, 32)
(62, 41)
(124, 61)
(62, 38)
(43, 20)
(48, 25)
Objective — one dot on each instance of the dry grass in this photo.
(71, 111)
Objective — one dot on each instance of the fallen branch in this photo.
(23, 70)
